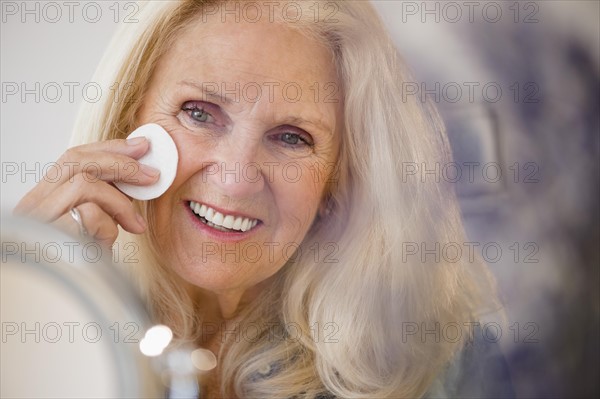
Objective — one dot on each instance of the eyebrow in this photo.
(218, 97)
(294, 120)
(209, 94)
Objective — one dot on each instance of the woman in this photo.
(289, 115)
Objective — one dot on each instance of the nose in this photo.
(237, 170)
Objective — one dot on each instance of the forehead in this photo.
(209, 50)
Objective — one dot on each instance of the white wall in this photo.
(40, 56)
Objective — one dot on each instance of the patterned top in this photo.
(478, 371)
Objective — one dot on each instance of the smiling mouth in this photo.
(220, 221)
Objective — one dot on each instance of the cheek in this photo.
(192, 150)
(297, 194)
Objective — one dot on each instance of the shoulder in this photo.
(478, 371)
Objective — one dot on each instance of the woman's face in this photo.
(254, 109)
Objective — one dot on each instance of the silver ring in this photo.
(77, 218)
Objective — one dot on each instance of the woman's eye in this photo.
(295, 139)
(198, 114)
(290, 138)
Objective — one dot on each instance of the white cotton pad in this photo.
(162, 155)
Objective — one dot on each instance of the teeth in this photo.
(222, 222)
(220, 228)
(228, 221)
(237, 224)
(218, 219)
(209, 214)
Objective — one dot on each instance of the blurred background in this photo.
(517, 83)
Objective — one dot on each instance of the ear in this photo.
(326, 207)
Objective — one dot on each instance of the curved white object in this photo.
(162, 155)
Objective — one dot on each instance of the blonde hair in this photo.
(341, 325)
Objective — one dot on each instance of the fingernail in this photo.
(149, 170)
(141, 220)
(135, 141)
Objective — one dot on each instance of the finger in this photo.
(94, 167)
(108, 167)
(98, 224)
(133, 148)
(67, 224)
(112, 201)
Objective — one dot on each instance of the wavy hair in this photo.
(343, 326)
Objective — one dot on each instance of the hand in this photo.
(85, 182)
